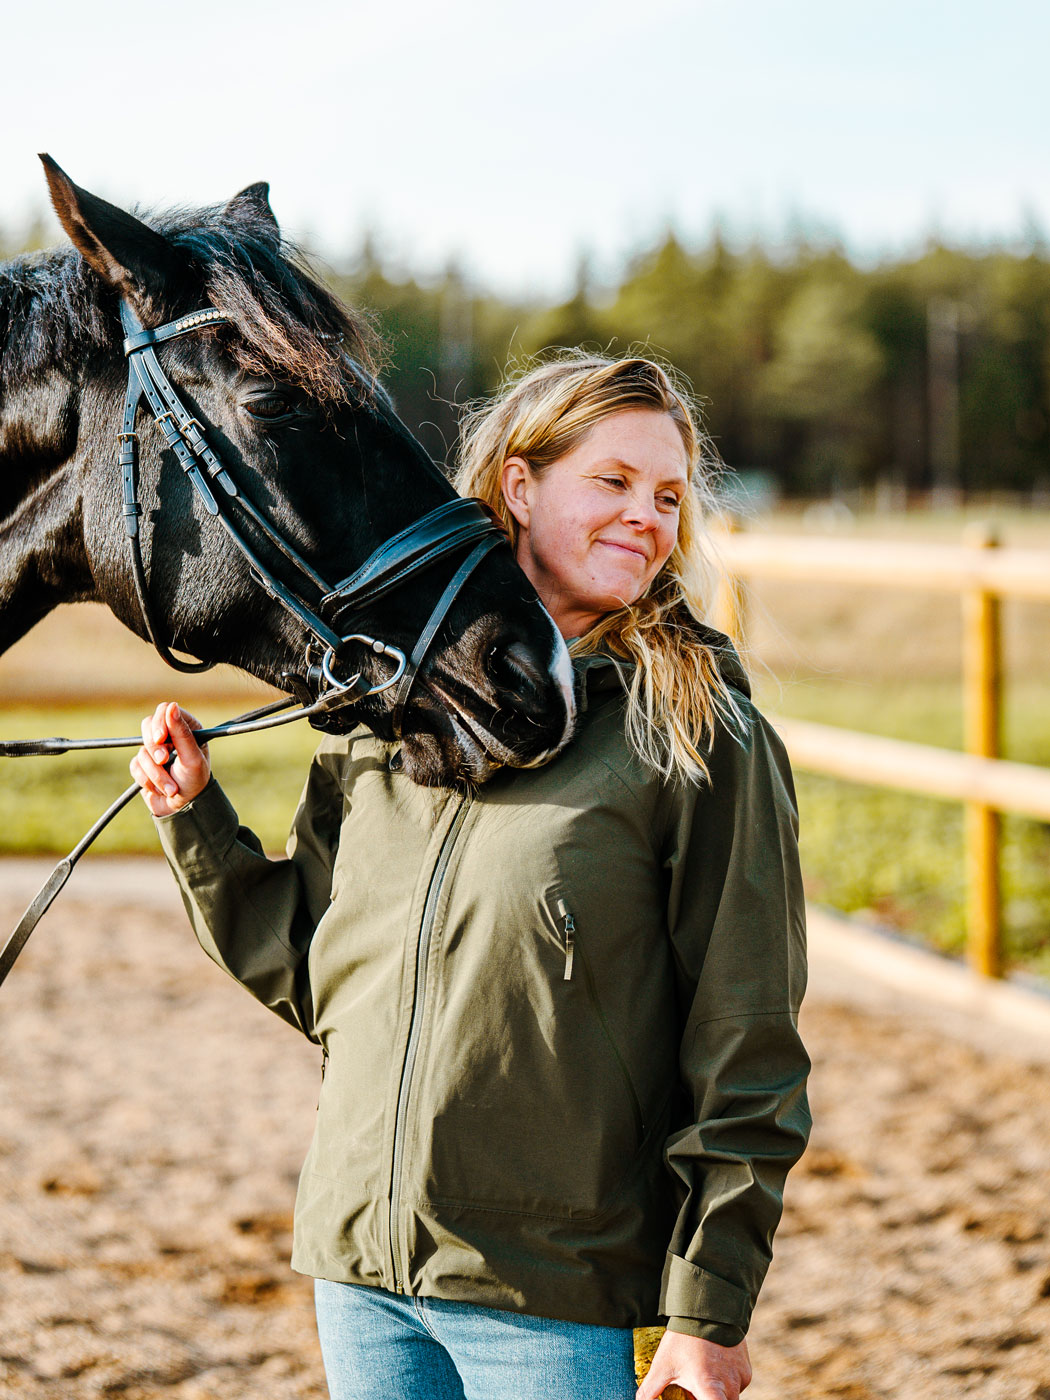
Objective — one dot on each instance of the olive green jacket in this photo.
(561, 1071)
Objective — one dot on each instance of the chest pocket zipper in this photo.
(324, 1066)
(570, 937)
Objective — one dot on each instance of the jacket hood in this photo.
(600, 672)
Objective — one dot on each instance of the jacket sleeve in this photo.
(252, 915)
(737, 927)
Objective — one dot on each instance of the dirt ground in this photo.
(152, 1121)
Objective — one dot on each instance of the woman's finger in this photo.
(143, 779)
(158, 778)
(158, 724)
(159, 752)
(152, 759)
(180, 728)
(192, 721)
(192, 766)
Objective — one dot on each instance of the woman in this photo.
(562, 1077)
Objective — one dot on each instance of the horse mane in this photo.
(53, 307)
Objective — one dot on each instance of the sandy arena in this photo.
(153, 1117)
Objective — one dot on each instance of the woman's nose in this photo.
(641, 512)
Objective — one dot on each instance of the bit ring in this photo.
(380, 649)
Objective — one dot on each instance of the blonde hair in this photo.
(676, 694)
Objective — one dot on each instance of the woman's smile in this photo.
(626, 548)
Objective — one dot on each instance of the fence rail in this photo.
(941, 568)
(982, 574)
(869, 758)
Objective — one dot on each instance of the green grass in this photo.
(46, 804)
(891, 857)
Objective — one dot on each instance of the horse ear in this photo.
(254, 201)
(126, 253)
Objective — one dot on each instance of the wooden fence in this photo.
(982, 574)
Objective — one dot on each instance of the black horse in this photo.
(283, 386)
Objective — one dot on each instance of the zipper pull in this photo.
(324, 1066)
(570, 938)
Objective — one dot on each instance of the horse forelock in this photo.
(287, 323)
(53, 307)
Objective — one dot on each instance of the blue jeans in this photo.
(379, 1343)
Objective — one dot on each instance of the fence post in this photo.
(982, 686)
(730, 610)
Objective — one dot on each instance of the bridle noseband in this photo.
(449, 529)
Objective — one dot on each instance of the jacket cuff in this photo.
(199, 834)
(691, 1294)
(723, 1333)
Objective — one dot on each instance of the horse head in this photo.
(281, 384)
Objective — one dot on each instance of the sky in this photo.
(516, 138)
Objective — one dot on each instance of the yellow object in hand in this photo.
(646, 1340)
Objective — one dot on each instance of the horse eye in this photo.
(270, 407)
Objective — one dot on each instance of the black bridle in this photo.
(458, 525)
(449, 529)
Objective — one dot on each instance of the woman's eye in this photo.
(270, 407)
(614, 480)
(670, 502)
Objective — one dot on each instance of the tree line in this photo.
(924, 374)
(928, 374)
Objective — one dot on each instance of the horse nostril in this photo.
(515, 672)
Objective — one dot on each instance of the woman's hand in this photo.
(703, 1370)
(167, 738)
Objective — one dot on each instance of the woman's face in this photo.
(598, 525)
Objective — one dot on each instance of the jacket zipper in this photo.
(415, 1025)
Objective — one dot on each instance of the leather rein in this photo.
(452, 528)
